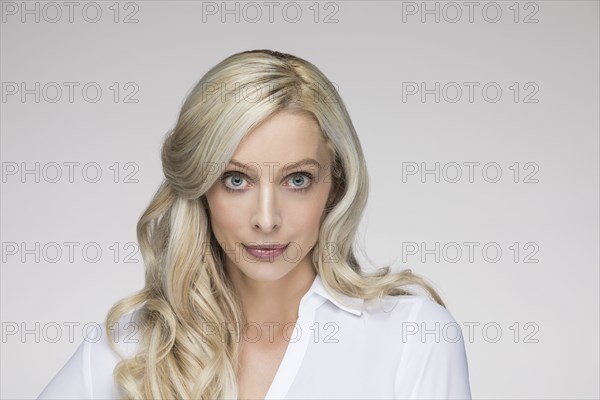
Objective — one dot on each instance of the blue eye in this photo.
(236, 178)
(298, 179)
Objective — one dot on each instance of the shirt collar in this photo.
(318, 294)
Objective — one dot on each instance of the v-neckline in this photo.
(296, 348)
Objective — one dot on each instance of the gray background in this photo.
(546, 311)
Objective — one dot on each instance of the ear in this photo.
(331, 199)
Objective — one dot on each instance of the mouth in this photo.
(267, 247)
(266, 251)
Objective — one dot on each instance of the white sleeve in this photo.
(434, 362)
(88, 374)
(73, 379)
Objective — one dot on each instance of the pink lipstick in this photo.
(266, 252)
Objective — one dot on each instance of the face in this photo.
(272, 200)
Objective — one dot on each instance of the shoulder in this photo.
(421, 328)
(102, 342)
(88, 373)
(124, 335)
(434, 361)
(104, 352)
(428, 310)
(420, 320)
(415, 322)
(408, 309)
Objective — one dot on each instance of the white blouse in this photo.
(403, 347)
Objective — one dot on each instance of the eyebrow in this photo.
(304, 161)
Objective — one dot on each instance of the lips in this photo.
(268, 247)
(266, 252)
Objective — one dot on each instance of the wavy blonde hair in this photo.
(186, 288)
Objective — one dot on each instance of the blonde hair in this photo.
(186, 287)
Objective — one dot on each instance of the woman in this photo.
(252, 286)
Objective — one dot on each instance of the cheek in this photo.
(309, 219)
(227, 214)
(225, 217)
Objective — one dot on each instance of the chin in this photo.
(264, 271)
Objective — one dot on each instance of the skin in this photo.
(268, 208)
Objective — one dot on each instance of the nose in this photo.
(266, 216)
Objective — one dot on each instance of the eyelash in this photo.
(301, 190)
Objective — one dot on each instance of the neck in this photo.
(273, 302)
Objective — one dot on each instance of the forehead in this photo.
(283, 138)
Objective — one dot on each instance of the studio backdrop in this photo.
(479, 123)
